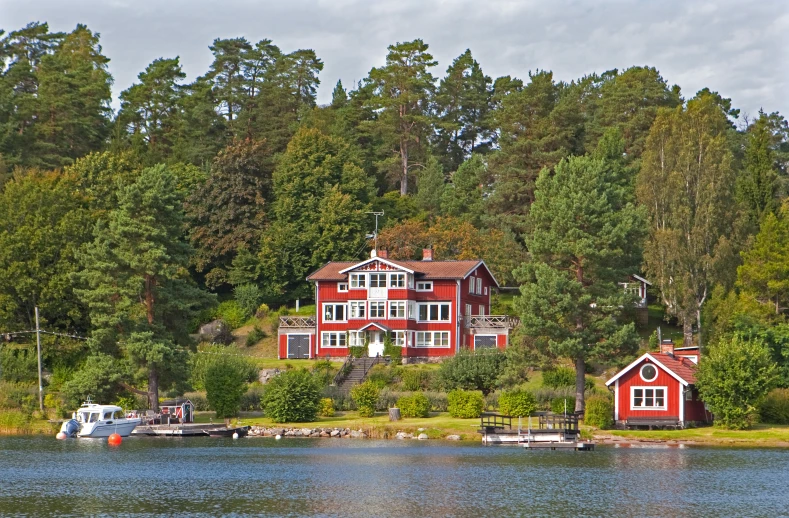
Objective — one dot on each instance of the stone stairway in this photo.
(361, 367)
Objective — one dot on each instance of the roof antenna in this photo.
(374, 235)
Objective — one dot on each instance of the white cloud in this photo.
(735, 47)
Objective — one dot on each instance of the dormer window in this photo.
(358, 280)
(378, 280)
(342, 286)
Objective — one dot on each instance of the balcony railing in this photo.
(296, 321)
(491, 321)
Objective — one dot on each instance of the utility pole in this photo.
(375, 233)
(38, 347)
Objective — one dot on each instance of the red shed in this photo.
(658, 389)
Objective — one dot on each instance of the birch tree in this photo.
(687, 185)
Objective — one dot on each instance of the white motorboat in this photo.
(92, 420)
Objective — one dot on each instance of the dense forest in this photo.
(128, 227)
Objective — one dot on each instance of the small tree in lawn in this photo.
(734, 377)
(292, 397)
(224, 386)
(473, 370)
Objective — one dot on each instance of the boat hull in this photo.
(106, 429)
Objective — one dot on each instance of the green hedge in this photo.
(517, 403)
(599, 412)
(365, 396)
(465, 404)
(414, 406)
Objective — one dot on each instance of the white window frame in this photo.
(342, 287)
(438, 304)
(479, 285)
(337, 336)
(400, 308)
(471, 285)
(486, 290)
(378, 276)
(468, 310)
(358, 281)
(357, 309)
(482, 310)
(428, 339)
(397, 280)
(495, 340)
(644, 398)
(412, 310)
(333, 312)
(380, 309)
(355, 338)
(399, 338)
(424, 286)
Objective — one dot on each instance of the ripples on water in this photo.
(40, 476)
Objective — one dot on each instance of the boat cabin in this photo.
(92, 413)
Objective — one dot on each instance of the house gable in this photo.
(376, 264)
(654, 360)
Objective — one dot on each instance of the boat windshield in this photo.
(94, 416)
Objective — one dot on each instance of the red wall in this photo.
(633, 378)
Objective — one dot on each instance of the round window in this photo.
(648, 372)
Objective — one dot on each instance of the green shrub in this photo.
(255, 336)
(517, 403)
(381, 375)
(388, 398)
(599, 412)
(416, 405)
(340, 399)
(365, 395)
(558, 377)
(557, 405)
(19, 364)
(198, 400)
(734, 378)
(415, 379)
(775, 407)
(14, 421)
(357, 351)
(472, 370)
(207, 355)
(326, 407)
(232, 313)
(248, 297)
(253, 397)
(292, 397)
(262, 311)
(323, 371)
(392, 351)
(465, 404)
(224, 386)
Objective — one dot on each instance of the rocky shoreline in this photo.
(338, 433)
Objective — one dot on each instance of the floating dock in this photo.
(543, 430)
(176, 430)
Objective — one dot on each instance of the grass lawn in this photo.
(438, 425)
(759, 436)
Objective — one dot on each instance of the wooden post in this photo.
(394, 414)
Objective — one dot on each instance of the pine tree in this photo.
(403, 89)
(757, 184)
(764, 273)
(135, 283)
(465, 196)
(585, 239)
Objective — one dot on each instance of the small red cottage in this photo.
(429, 308)
(658, 389)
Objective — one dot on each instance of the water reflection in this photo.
(302, 477)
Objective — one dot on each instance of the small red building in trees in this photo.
(658, 389)
(428, 308)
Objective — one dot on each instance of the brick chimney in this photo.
(427, 254)
(667, 347)
(383, 254)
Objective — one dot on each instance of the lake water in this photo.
(40, 476)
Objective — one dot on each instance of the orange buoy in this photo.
(114, 440)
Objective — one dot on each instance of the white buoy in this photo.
(61, 436)
(278, 437)
(235, 435)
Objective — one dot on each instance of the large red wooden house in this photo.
(429, 308)
(658, 389)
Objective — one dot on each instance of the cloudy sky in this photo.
(738, 48)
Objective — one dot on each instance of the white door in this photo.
(376, 347)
